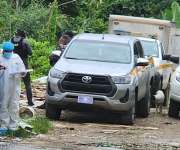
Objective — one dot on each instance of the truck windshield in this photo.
(150, 48)
(99, 51)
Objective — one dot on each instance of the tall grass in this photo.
(40, 126)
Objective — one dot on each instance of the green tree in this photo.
(39, 60)
(52, 21)
(5, 20)
(173, 13)
(31, 19)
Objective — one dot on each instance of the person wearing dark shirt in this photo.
(62, 43)
(23, 49)
(54, 57)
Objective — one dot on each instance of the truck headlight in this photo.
(121, 79)
(55, 73)
(178, 76)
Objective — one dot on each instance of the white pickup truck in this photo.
(163, 66)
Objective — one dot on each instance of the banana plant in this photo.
(173, 13)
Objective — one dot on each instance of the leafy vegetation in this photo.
(4, 20)
(173, 13)
(21, 133)
(45, 20)
(39, 61)
(40, 126)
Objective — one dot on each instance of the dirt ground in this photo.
(89, 131)
(103, 131)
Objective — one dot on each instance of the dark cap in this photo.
(21, 33)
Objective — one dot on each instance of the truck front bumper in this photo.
(122, 101)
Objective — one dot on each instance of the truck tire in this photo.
(174, 109)
(53, 112)
(156, 85)
(143, 106)
(166, 94)
(128, 118)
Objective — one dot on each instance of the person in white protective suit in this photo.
(10, 79)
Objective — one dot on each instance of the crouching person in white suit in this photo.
(10, 78)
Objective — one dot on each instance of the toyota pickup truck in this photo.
(101, 72)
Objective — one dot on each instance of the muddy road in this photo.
(89, 131)
(103, 131)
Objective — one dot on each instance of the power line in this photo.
(67, 2)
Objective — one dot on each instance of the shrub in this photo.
(4, 20)
(31, 19)
(173, 13)
(39, 61)
(40, 125)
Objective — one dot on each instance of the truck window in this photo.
(138, 51)
(162, 50)
(99, 51)
(150, 48)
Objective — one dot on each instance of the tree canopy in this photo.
(42, 19)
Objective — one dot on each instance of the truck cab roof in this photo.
(106, 37)
(147, 39)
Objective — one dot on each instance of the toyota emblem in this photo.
(86, 79)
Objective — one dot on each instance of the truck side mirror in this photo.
(175, 59)
(142, 62)
(167, 57)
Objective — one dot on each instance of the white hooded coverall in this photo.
(10, 90)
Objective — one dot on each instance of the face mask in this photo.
(7, 55)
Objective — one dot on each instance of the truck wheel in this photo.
(128, 118)
(166, 94)
(174, 109)
(156, 85)
(52, 111)
(143, 106)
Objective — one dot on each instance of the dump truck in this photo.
(163, 30)
(159, 39)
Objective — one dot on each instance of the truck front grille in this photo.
(100, 85)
